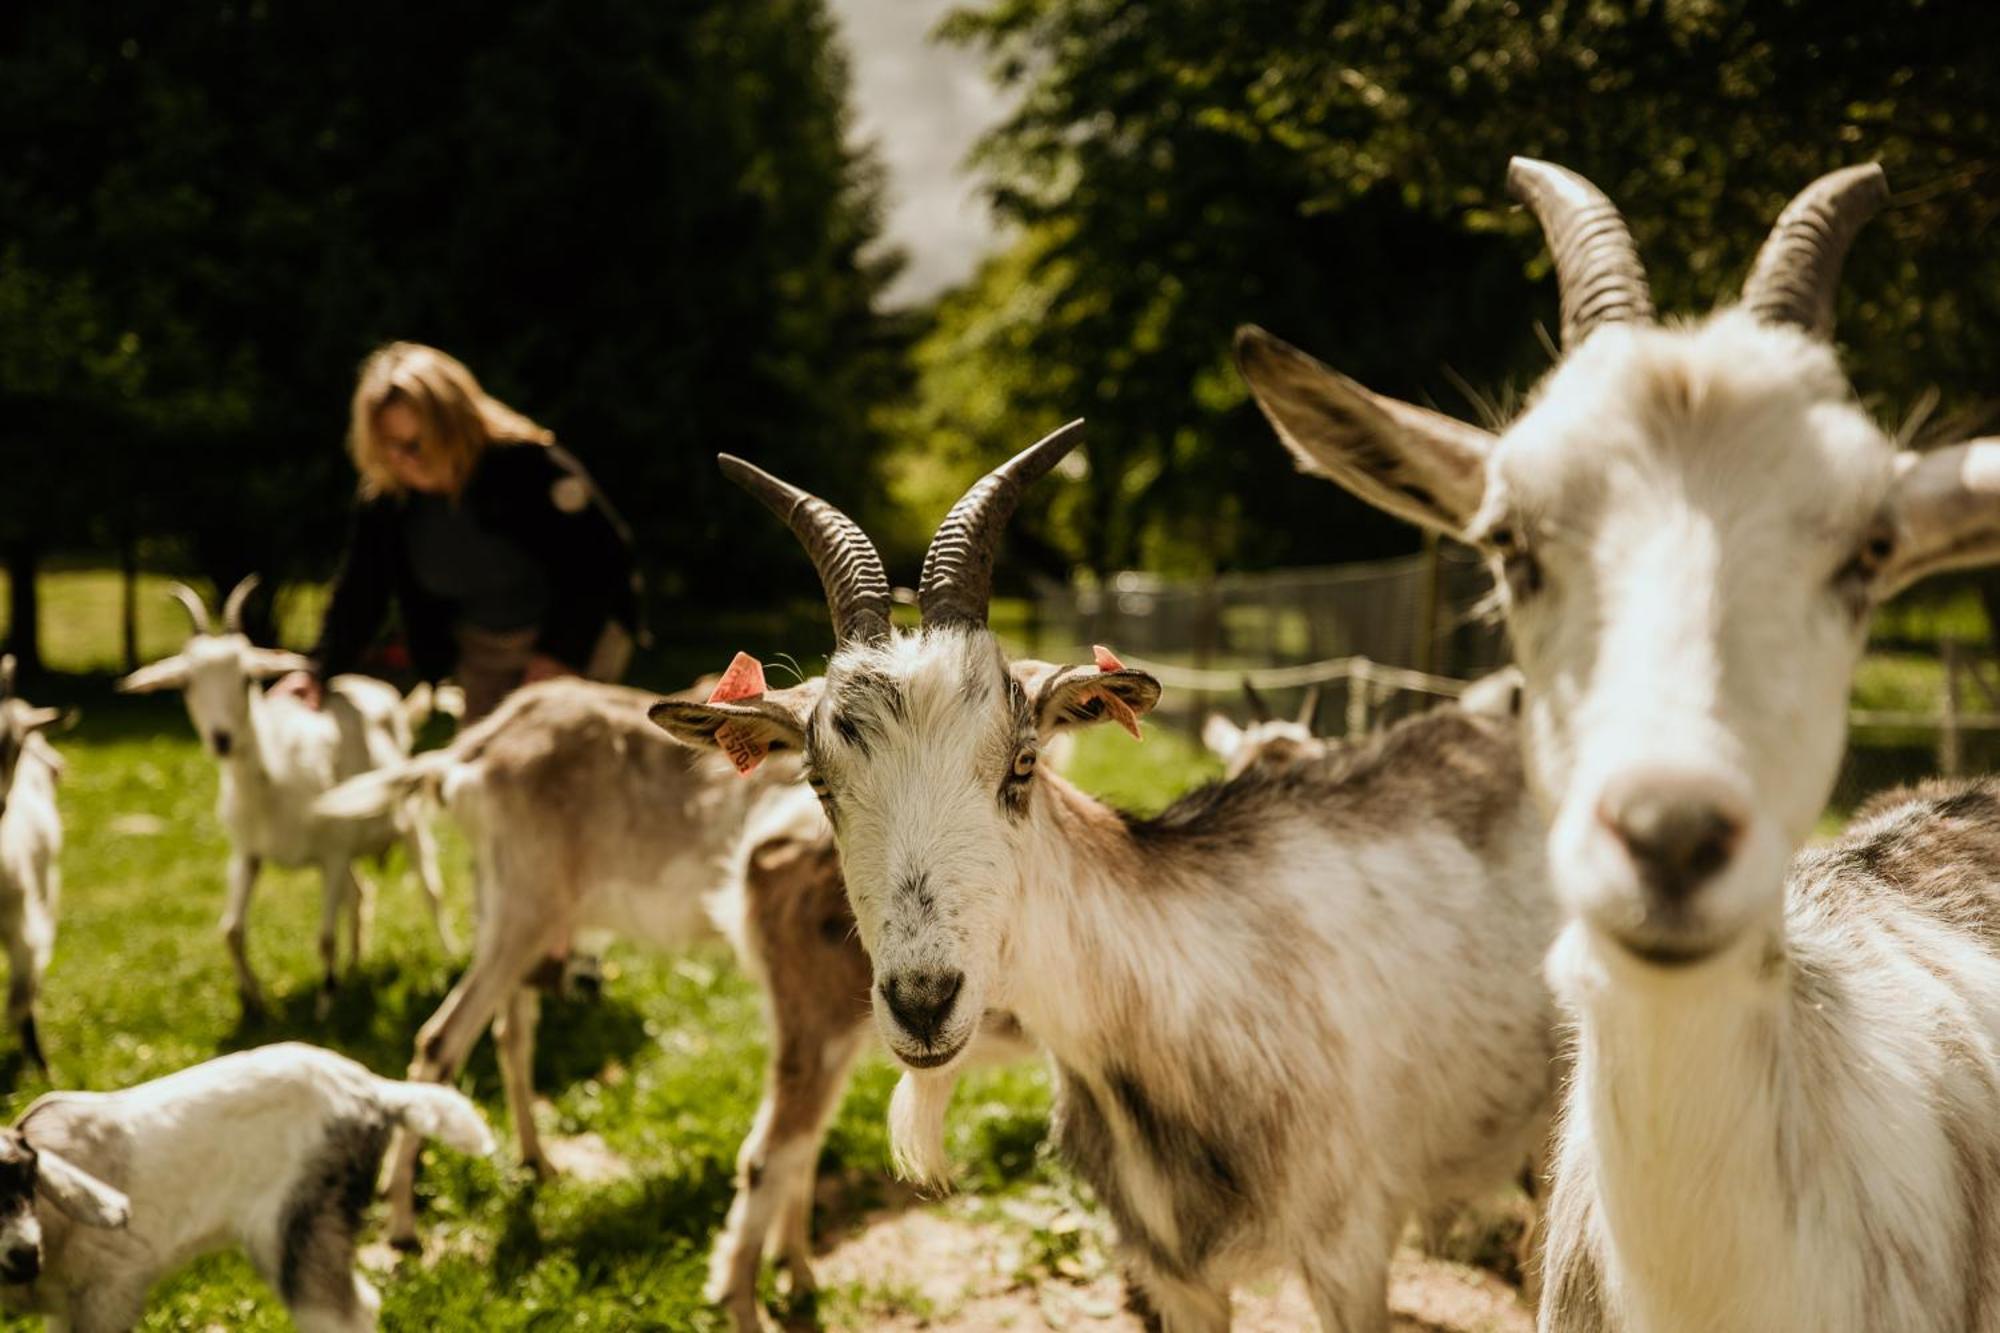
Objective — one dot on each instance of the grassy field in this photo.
(665, 1070)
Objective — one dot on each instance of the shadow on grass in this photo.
(614, 1223)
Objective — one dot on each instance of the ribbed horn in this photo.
(232, 607)
(1260, 711)
(850, 569)
(1309, 707)
(1798, 268)
(1598, 273)
(196, 608)
(957, 581)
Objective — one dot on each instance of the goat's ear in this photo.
(1409, 461)
(740, 717)
(168, 674)
(40, 719)
(1080, 696)
(266, 663)
(1946, 510)
(1221, 736)
(80, 1196)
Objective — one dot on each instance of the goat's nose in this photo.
(1679, 831)
(221, 740)
(922, 1001)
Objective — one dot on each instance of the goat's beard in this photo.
(916, 1127)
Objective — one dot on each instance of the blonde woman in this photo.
(506, 562)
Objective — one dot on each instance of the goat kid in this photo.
(31, 836)
(583, 819)
(272, 1150)
(1786, 1112)
(1285, 1014)
(277, 756)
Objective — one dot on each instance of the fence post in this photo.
(1358, 679)
(1950, 745)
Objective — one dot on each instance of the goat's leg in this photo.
(775, 1166)
(514, 1034)
(24, 979)
(503, 955)
(243, 870)
(1185, 1305)
(360, 918)
(422, 848)
(1348, 1277)
(336, 885)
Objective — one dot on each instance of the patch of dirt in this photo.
(584, 1157)
(939, 1269)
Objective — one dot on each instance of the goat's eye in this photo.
(1868, 560)
(1517, 563)
(819, 787)
(1024, 764)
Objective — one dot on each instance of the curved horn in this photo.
(1597, 268)
(1798, 266)
(1309, 707)
(232, 608)
(850, 569)
(957, 581)
(1260, 711)
(196, 608)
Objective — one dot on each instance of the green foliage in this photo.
(640, 223)
(1333, 170)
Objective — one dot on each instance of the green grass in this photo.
(666, 1068)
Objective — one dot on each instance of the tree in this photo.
(1333, 170)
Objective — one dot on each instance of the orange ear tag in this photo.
(743, 680)
(1116, 708)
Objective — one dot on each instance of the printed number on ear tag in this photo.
(743, 680)
(737, 745)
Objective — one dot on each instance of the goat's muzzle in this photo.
(921, 1002)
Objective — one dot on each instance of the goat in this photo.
(277, 755)
(1786, 1109)
(30, 854)
(1268, 739)
(272, 1150)
(582, 818)
(1284, 1015)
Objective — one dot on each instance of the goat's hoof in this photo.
(406, 1244)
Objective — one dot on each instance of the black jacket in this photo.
(537, 496)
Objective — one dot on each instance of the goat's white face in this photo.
(215, 674)
(1689, 526)
(1686, 528)
(26, 1175)
(925, 749)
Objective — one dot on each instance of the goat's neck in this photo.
(248, 761)
(1091, 940)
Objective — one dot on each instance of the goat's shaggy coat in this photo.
(273, 1150)
(31, 838)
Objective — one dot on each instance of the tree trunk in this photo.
(24, 608)
(128, 606)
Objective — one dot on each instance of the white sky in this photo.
(922, 105)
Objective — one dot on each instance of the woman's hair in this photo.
(457, 419)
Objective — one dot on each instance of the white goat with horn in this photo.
(30, 854)
(277, 756)
(1786, 1112)
(1284, 1015)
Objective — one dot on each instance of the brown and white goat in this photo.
(1786, 1110)
(583, 819)
(1285, 1014)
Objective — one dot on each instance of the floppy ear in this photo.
(80, 1196)
(1946, 508)
(1079, 696)
(265, 663)
(1409, 461)
(39, 719)
(742, 717)
(168, 674)
(1222, 737)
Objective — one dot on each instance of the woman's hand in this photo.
(301, 685)
(543, 667)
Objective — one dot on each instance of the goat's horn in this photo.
(850, 569)
(1798, 267)
(1598, 273)
(957, 581)
(1309, 707)
(1259, 710)
(196, 608)
(232, 609)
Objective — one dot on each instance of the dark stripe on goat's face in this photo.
(329, 1198)
(1209, 1198)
